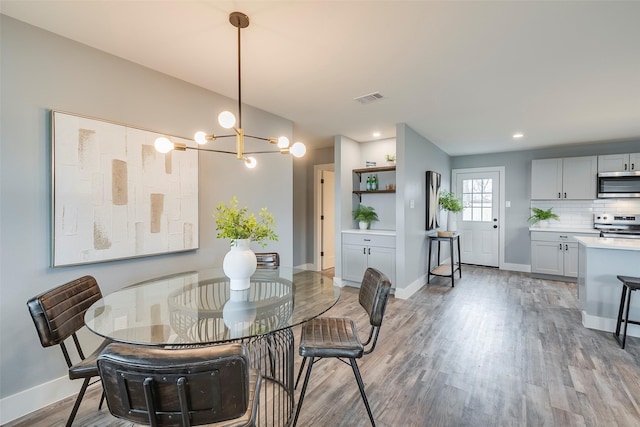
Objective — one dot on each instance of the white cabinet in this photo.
(570, 178)
(363, 250)
(619, 162)
(555, 253)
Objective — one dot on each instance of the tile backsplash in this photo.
(579, 213)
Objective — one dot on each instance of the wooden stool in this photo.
(631, 284)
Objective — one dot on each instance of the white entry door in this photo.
(327, 221)
(479, 222)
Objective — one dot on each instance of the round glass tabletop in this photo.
(197, 307)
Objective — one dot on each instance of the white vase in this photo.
(452, 221)
(239, 264)
(363, 225)
(543, 223)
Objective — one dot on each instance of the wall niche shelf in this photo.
(370, 170)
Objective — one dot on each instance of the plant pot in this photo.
(239, 264)
(363, 225)
(543, 223)
(452, 221)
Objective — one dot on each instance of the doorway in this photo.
(481, 223)
(324, 219)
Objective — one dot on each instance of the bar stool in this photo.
(629, 284)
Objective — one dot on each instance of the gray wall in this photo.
(416, 155)
(518, 185)
(41, 71)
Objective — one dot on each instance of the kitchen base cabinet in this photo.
(555, 253)
(363, 250)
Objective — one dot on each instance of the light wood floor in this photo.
(499, 349)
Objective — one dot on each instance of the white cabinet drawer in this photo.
(384, 241)
(551, 236)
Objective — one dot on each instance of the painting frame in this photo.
(433, 182)
(114, 197)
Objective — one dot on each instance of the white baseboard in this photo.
(415, 286)
(32, 399)
(607, 325)
(307, 266)
(523, 268)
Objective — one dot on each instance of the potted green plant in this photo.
(235, 223)
(242, 227)
(390, 158)
(365, 215)
(542, 217)
(449, 203)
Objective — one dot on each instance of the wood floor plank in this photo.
(499, 349)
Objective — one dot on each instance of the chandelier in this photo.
(227, 120)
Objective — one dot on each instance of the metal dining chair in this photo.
(58, 314)
(331, 337)
(268, 259)
(211, 385)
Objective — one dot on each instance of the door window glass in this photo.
(477, 199)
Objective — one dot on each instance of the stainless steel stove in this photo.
(626, 226)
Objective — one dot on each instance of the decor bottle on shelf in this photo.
(369, 182)
(374, 183)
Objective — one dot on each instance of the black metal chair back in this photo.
(180, 387)
(57, 315)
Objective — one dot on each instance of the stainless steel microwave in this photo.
(618, 184)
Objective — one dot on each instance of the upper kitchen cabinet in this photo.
(570, 178)
(619, 162)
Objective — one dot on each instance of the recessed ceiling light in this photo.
(518, 135)
(376, 134)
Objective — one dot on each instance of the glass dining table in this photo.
(197, 308)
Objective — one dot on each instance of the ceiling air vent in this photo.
(366, 99)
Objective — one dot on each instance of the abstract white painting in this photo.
(115, 196)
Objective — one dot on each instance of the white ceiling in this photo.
(465, 75)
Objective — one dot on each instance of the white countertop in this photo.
(566, 230)
(610, 243)
(378, 232)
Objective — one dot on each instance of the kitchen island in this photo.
(600, 260)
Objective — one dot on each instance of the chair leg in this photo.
(303, 391)
(304, 360)
(74, 411)
(623, 298)
(626, 318)
(356, 372)
(101, 400)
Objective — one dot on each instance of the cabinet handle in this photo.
(565, 195)
(633, 166)
(364, 251)
(564, 237)
(625, 166)
(566, 247)
(369, 251)
(367, 240)
(559, 196)
(560, 246)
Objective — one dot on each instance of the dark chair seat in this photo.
(330, 337)
(87, 367)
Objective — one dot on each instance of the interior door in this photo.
(327, 220)
(479, 221)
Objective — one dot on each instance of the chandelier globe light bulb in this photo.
(283, 142)
(250, 162)
(163, 144)
(298, 149)
(200, 137)
(227, 120)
